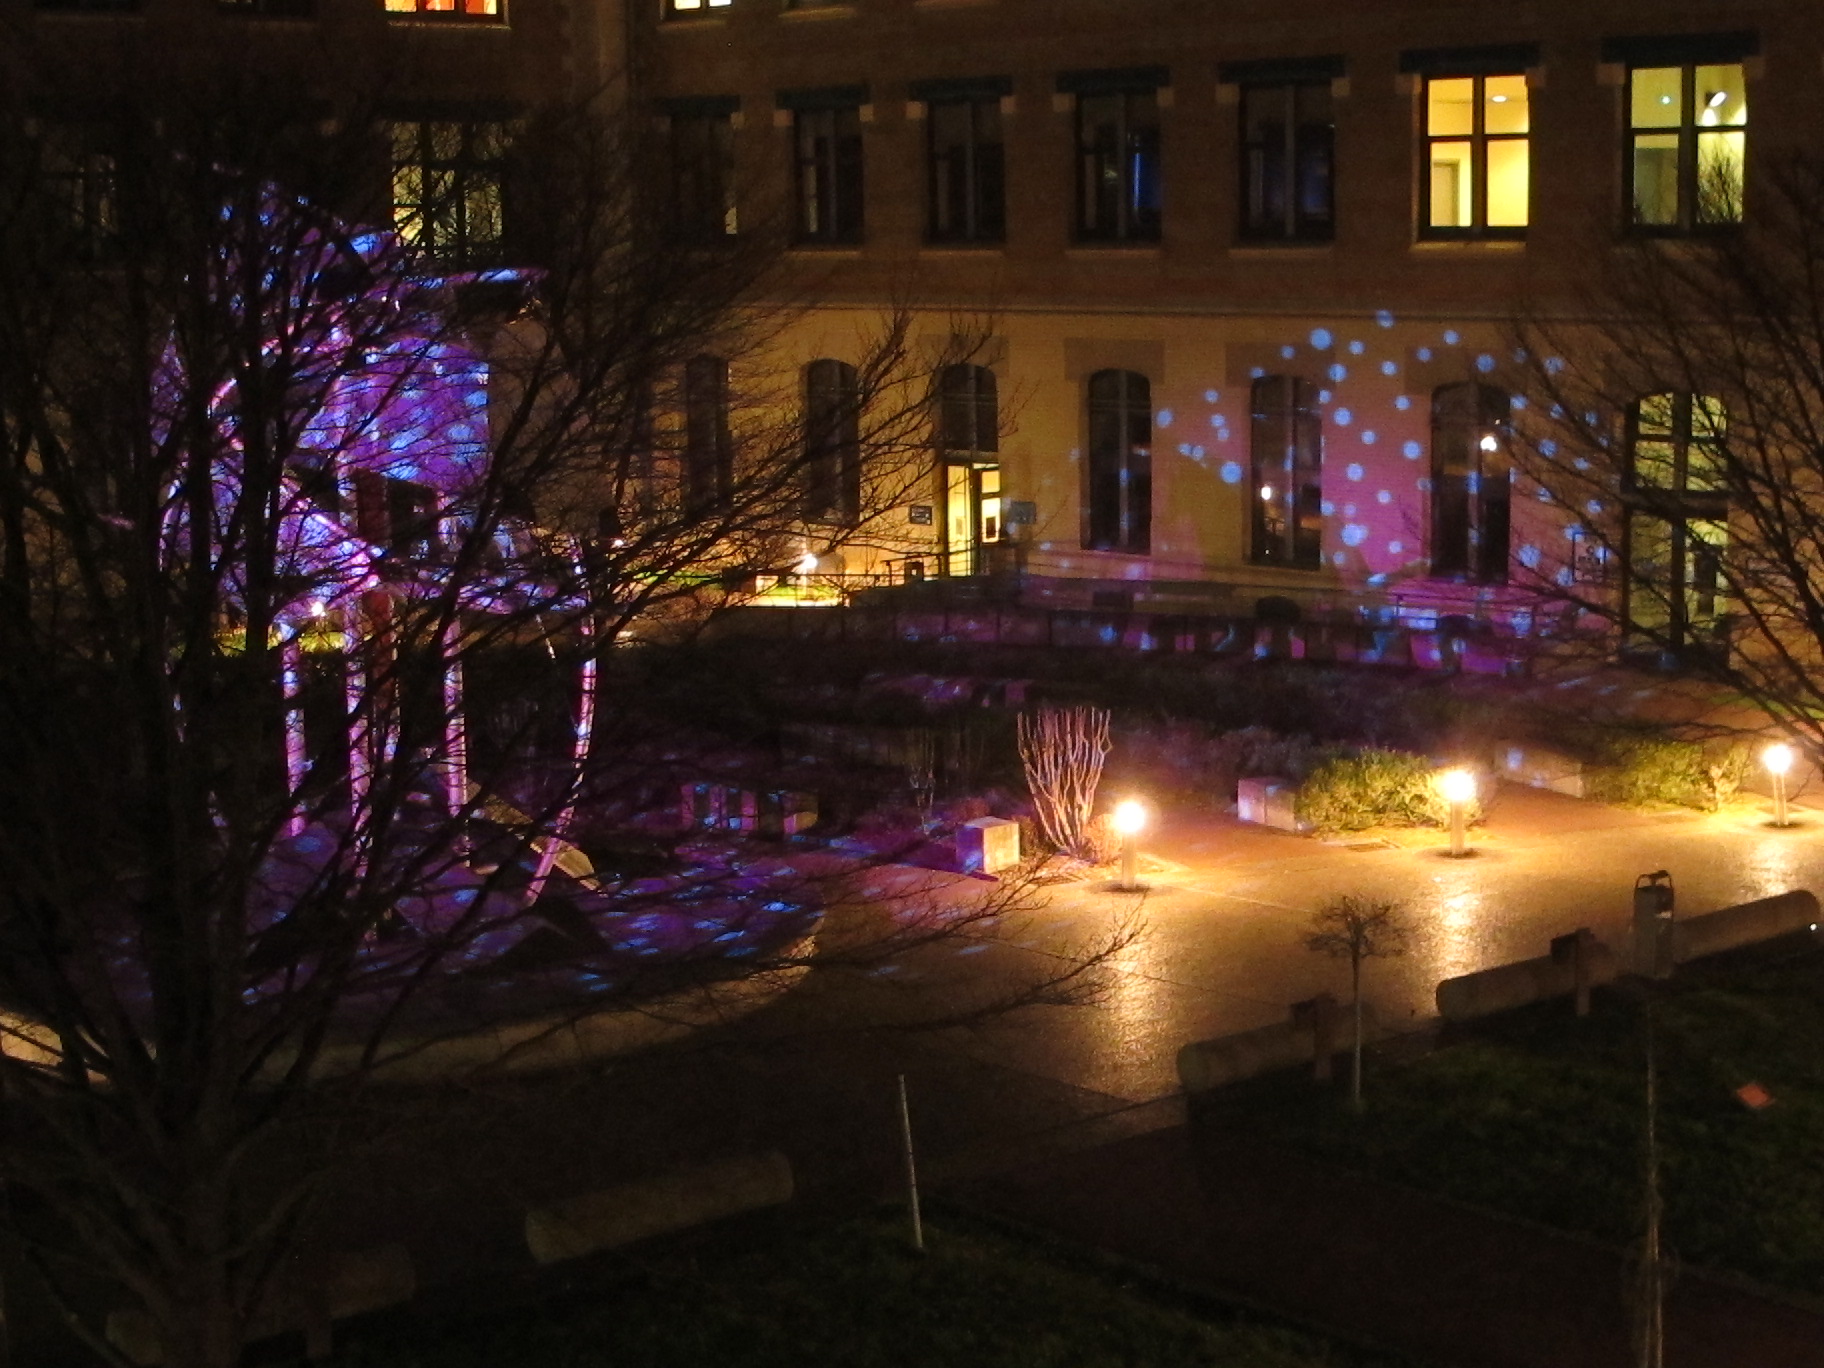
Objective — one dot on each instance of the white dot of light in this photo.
(1457, 785)
(1778, 758)
(1266, 493)
(1129, 817)
(1490, 442)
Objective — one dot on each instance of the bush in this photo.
(1644, 771)
(1374, 788)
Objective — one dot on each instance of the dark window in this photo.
(1678, 518)
(832, 442)
(447, 199)
(967, 200)
(1688, 145)
(90, 6)
(1119, 514)
(1288, 134)
(444, 9)
(827, 145)
(411, 517)
(1118, 189)
(1471, 482)
(702, 146)
(1478, 164)
(968, 420)
(81, 183)
(268, 9)
(1287, 494)
(318, 486)
(708, 447)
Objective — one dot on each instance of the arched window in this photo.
(709, 467)
(1119, 493)
(832, 442)
(968, 418)
(1287, 493)
(1678, 518)
(1471, 482)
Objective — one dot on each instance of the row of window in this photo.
(459, 11)
(1686, 149)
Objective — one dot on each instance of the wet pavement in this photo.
(1226, 907)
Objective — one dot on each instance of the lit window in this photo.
(1287, 452)
(1471, 482)
(827, 165)
(688, 7)
(1119, 472)
(832, 442)
(445, 9)
(1288, 134)
(966, 195)
(447, 188)
(1678, 523)
(1477, 162)
(1688, 145)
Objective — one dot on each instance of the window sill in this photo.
(465, 23)
(675, 22)
(1282, 249)
(963, 249)
(951, 4)
(1469, 245)
(798, 16)
(1092, 251)
(819, 250)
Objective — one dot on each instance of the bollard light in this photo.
(1129, 820)
(1778, 759)
(1458, 788)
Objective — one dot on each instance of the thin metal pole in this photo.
(905, 1141)
(1779, 800)
(1456, 828)
(1130, 879)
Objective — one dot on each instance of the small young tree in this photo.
(1356, 928)
(1063, 751)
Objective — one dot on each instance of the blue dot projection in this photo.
(1328, 509)
(1423, 353)
(1519, 401)
(1402, 402)
(1343, 417)
(1411, 450)
(1321, 339)
(1354, 534)
(1384, 317)
(1390, 368)
(1452, 337)
(1485, 363)
(1164, 418)
(1368, 437)
(1348, 510)
(1288, 351)
(1357, 346)
(1355, 471)
(1397, 548)
(1530, 556)
(1548, 447)
(1338, 372)
(1210, 396)
(1383, 496)
(1231, 472)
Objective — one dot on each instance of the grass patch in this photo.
(1541, 1116)
(855, 1295)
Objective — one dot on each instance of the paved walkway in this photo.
(1378, 1264)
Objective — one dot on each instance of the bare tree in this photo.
(1675, 420)
(1063, 751)
(276, 495)
(1357, 929)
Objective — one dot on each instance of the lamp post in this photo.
(1458, 787)
(1778, 759)
(1129, 821)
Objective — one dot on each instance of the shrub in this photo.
(1645, 771)
(1374, 788)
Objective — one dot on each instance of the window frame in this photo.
(1294, 225)
(1676, 507)
(469, 171)
(983, 180)
(829, 181)
(1688, 220)
(695, 9)
(1136, 154)
(1486, 489)
(832, 442)
(976, 401)
(1118, 481)
(709, 446)
(1479, 139)
(1287, 405)
(420, 11)
(701, 178)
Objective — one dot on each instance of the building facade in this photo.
(1250, 271)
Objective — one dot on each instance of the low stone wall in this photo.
(1507, 986)
(1207, 1064)
(657, 1206)
(1745, 924)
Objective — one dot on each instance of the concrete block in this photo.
(675, 1201)
(1507, 986)
(1268, 800)
(988, 845)
(1541, 767)
(1208, 1064)
(1744, 924)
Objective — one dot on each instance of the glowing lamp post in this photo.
(1778, 758)
(1457, 787)
(1129, 821)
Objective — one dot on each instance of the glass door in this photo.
(972, 516)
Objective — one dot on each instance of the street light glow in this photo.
(1129, 817)
(1778, 758)
(1457, 785)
